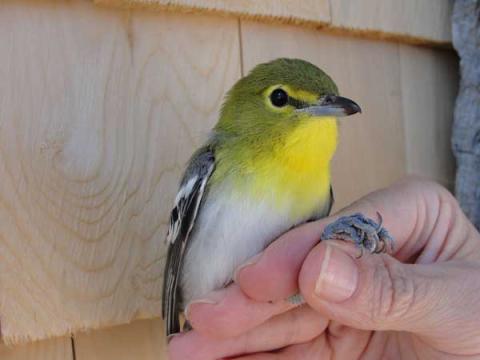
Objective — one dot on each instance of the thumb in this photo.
(377, 292)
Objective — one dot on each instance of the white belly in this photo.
(228, 231)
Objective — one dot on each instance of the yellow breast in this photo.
(297, 172)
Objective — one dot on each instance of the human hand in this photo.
(423, 301)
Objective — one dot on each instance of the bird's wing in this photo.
(182, 220)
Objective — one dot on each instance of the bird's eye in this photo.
(279, 97)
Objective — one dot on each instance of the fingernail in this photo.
(252, 261)
(338, 276)
(188, 308)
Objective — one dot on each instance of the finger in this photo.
(318, 348)
(273, 275)
(229, 312)
(350, 343)
(377, 292)
(412, 211)
(296, 326)
(344, 342)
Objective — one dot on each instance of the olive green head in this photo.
(275, 96)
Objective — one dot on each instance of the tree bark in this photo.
(466, 129)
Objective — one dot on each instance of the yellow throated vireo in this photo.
(264, 169)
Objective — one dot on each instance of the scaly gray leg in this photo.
(365, 233)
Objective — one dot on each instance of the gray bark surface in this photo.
(466, 128)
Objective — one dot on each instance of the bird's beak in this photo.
(332, 105)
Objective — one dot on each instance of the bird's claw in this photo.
(365, 233)
(296, 299)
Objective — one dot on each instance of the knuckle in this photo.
(394, 293)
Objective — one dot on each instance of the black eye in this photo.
(279, 97)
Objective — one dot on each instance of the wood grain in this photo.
(371, 150)
(429, 81)
(99, 111)
(142, 339)
(417, 21)
(55, 349)
(305, 11)
(411, 19)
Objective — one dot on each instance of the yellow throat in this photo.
(297, 172)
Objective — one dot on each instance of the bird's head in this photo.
(276, 96)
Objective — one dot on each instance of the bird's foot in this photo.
(296, 299)
(364, 232)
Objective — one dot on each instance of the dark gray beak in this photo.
(332, 105)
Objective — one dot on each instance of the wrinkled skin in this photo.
(422, 301)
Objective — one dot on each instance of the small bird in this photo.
(264, 169)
